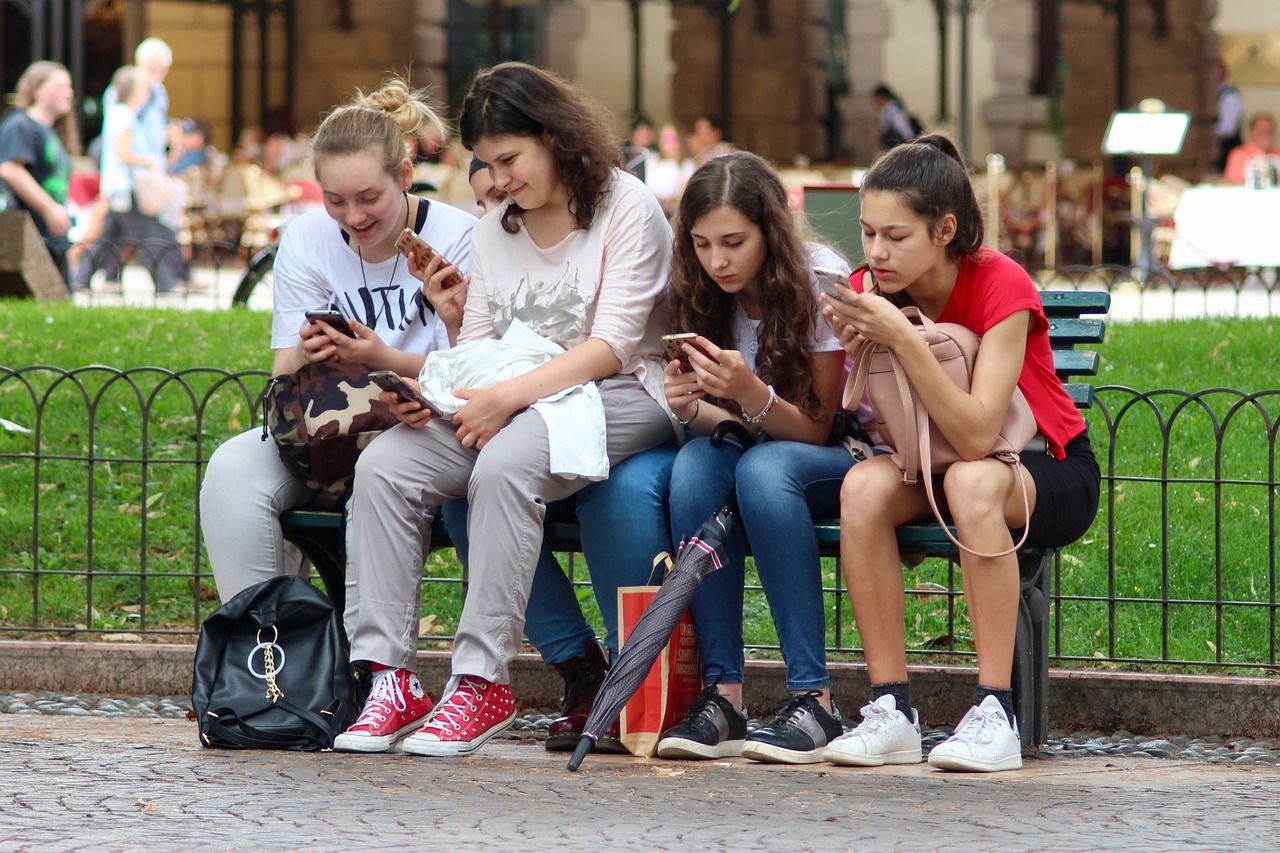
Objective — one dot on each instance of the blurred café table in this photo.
(1226, 226)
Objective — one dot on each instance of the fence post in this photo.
(1051, 215)
(995, 168)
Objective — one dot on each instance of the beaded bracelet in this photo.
(697, 404)
(758, 419)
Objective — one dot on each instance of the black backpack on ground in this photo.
(272, 670)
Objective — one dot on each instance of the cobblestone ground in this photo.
(533, 725)
(125, 774)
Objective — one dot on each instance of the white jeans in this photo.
(245, 489)
(405, 474)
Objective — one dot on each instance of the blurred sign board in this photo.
(1145, 133)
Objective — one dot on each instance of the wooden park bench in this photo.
(1075, 317)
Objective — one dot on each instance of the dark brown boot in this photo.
(582, 676)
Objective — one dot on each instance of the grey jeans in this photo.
(405, 474)
(245, 489)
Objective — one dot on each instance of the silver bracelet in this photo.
(697, 404)
(758, 419)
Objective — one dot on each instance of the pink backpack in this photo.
(919, 447)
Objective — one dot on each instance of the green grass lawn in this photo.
(129, 564)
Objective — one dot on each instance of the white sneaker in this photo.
(885, 736)
(985, 741)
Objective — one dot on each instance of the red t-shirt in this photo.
(989, 288)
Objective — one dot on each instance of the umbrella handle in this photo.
(580, 752)
(727, 428)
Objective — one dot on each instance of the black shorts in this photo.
(1066, 493)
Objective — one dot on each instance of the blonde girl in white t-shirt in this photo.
(578, 253)
(341, 258)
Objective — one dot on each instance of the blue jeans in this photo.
(780, 486)
(623, 524)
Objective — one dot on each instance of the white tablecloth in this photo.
(1226, 226)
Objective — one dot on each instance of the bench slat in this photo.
(1073, 303)
(1075, 362)
(1080, 394)
(1067, 332)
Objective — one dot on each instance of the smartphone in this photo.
(831, 281)
(333, 318)
(671, 343)
(389, 380)
(409, 240)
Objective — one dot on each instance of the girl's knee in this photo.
(976, 488)
(870, 482)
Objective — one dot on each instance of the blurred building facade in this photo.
(1031, 79)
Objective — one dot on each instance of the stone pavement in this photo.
(106, 783)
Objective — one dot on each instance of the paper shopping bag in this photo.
(672, 683)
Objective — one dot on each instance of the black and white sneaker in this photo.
(798, 735)
(713, 728)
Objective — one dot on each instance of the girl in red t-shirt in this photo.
(922, 234)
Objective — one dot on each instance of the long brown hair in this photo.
(516, 99)
(25, 93)
(746, 183)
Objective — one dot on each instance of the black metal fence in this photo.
(222, 274)
(100, 530)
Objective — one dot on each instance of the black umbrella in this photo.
(699, 555)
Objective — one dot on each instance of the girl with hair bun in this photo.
(922, 233)
(578, 255)
(340, 258)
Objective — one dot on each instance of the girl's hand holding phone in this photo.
(721, 373)
(445, 290)
(682, 389)
(327, 343)
(411, 413)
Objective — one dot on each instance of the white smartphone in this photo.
(833, 283)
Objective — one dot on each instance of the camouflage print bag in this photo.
(321, 418)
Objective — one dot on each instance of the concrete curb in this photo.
(1194, 705)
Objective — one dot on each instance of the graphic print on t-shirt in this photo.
(58, 181)
(389, 306)
(557, 311)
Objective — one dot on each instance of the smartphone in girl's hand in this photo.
(408, 242)
(389, 380)
(334, 319)
(831, 282)
(675, 352)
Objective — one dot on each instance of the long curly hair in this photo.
(746, 183)
(517, 99)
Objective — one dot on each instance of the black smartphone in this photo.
(675, 352)
(831, 282)
(389, 380)
(333, 318)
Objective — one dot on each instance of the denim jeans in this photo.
(780, 486)
(623, 524)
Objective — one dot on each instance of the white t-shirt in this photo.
(824, 337)
(667, 177)
(316, 269)
(608, 281)
(115, 184)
